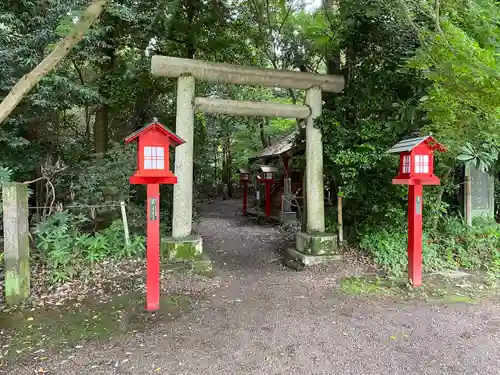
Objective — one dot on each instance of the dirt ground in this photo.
(265, 319)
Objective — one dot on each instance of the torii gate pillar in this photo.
(315, 206)
(184, 158)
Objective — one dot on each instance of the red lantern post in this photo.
(153, 169)
(267, 176)
(244, 180)
(416, 168)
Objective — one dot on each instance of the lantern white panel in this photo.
(154, 157)
(421, 163)
(406, 164)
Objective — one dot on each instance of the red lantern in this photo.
(153, 169)
(153, 166)
(416, 161)
(267, 176)
(416, 168)
(244, 175)
(244, 181)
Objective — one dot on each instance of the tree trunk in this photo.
(101, 124)
(28, 81)
(333, 60)
(101, 129)
(192, 9)
(262, 130)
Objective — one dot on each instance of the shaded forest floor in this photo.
(265, 319)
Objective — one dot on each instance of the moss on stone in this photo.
(317, 243)
(17, 282)
(12, 287)
(173, 250)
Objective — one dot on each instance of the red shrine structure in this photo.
(416, 168)
(153, 169)
(266, 177)
(244, 181)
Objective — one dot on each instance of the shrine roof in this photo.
(286, 143)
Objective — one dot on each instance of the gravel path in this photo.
(269, 320)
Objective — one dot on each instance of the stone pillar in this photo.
(184, 128)
(315, 205)
(16, 242)
(482, 194)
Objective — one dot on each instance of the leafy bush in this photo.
(454, 246)
(66, 250)
(476, 247)
(103, 179)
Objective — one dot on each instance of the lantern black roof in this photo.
(268, 169)
(409, 144)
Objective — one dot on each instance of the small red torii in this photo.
(416, 168)
(153, 169)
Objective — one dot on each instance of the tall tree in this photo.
(61, 50)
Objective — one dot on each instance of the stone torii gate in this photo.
(315, 241)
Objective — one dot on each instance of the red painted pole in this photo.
(415, 206)
(268, 199)
(245, 198)
(153, 248)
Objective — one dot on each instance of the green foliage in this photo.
(102, 179)
(5, 177)
(459, 56)
(410, 68)
(331, 219)
(454, 246)
(483, 157)
(66, 250)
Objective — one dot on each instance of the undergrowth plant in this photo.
(454, 246)
(66, 250)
